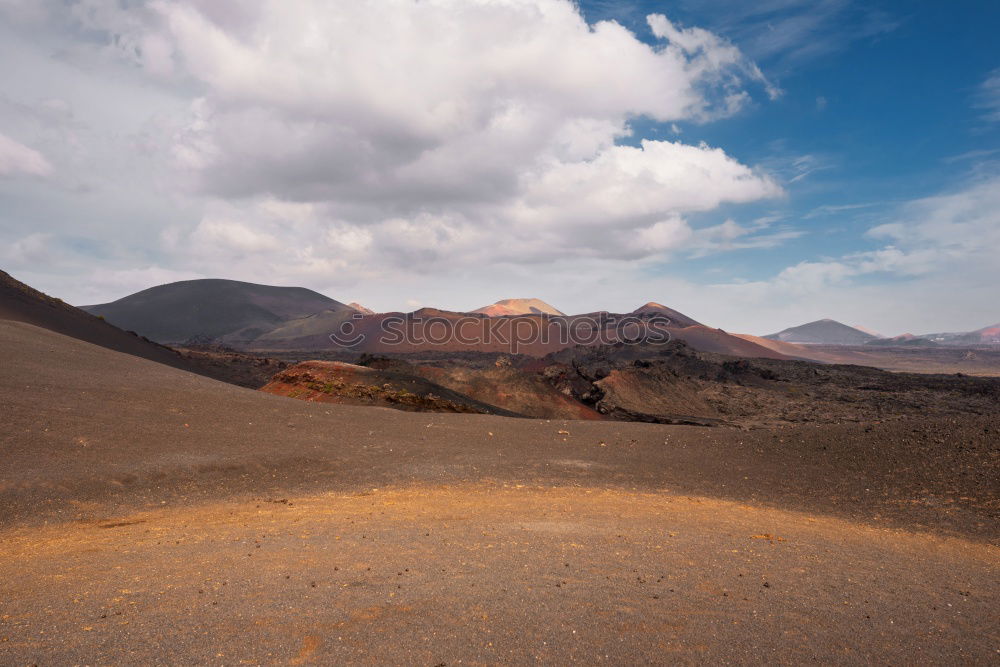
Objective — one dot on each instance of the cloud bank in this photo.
(441, 151)
(330, 137)
(934, 263)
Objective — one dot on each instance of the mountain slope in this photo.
(704, 339)
(823, 332)
(989, 335)
(906, 339)
(868, 331)
(518, 307)
(442, 331)
(212, 308)
(21, 303)
(676, 319)
(349, 384)
(361, 309)
(791, 350)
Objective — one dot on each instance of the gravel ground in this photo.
(154, 516)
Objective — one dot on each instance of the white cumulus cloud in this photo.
(335, 143)
(935, 267)
(442, 128)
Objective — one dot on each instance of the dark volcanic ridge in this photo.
(262, 317)
(225, 310)
(677, 319)
(21, 303)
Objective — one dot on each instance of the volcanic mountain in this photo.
(823, 332)
(518, 307)
(677, 319)
(21, 303)
(212, 309)
(361, 309)
(263, 317)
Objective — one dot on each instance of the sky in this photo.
(753, 165)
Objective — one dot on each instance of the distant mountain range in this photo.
(831, 332)
(200, 311)
(255, 316)
(986, 336)
(903, 340)
(265, 317)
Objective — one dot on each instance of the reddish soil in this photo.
(348, 384)
(529, 394)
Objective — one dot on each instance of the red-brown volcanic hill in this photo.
(506, 307)
(427, 329)
(348, 384)
(432, 330)
(525, 392)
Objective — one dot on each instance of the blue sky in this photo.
(879, 99)
(754, 165)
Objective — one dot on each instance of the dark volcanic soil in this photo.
(229, 365)
(150, 515)
(982, 360)
(676, 384)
